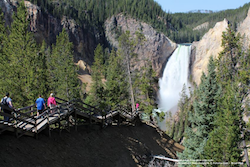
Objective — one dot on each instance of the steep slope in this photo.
(123, 146)
(244, 30)
(156, 48)
(209, 45)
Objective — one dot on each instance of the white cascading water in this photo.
(175, 75)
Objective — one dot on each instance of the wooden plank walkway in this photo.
(26, 123)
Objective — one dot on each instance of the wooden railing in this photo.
(25, 120)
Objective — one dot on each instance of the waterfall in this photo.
(175, 75)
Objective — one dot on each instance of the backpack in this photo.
(4, 102)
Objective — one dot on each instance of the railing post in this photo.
(47, 116)
(36, 128)
(59, 120)
(15, 123)
(90, 121)
(119, 119)
(75, 121)
(31, 109)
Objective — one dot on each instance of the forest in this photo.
(30, 69)
(178, 26)
(210, 119)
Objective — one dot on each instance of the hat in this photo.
(51, 94)
(7, 94)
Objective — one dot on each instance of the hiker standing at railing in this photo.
(8, 102)
(51, 101)
(40, 105)
(137, 107)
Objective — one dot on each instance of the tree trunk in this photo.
(130, 83)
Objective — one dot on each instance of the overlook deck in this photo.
(65, 114)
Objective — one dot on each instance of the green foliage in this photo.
(116, 85)
(178, 127)
(223, 141)
(97, 94)
(41, 84)
(178, 27)
(144, 84)
(202, 119)
(161, 116)
(229, 57)
(19, 54)
(63, 75)
(126, 51)
(3, 57)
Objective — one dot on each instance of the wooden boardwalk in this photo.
(67, 113)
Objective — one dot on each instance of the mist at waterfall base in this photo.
(175, 75)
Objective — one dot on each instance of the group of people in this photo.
(40, 104)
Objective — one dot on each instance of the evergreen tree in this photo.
(126, 50)
(116, 85)
(63, 72)
(227, 63)
(97, 94)
(4, 59)
(20, 48)
(223, 142)
(40, 83)
(144, 87)
(183, 109)
(201, 120)
(225, 139)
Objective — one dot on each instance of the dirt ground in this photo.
(124, 146)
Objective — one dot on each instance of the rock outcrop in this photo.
(244, 30)
(209, 45)
(156, 48)
(46, 27)
(202, 26)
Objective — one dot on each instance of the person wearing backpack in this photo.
(8, 102)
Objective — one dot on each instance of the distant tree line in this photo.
(178, 27)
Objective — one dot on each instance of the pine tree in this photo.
(4, 66)
(21, 50)
(116, 85)
(227, 63)
(183, 107)
(97, 94)
(144, 87)
(223, 142)
(126, 50)
(63, 72)
(40, 84)
(201, 120)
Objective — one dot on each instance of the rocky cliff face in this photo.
(46, 27)
(209, 45)
(244, 30)
(156, 48)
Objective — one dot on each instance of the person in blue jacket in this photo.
(40, 105)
